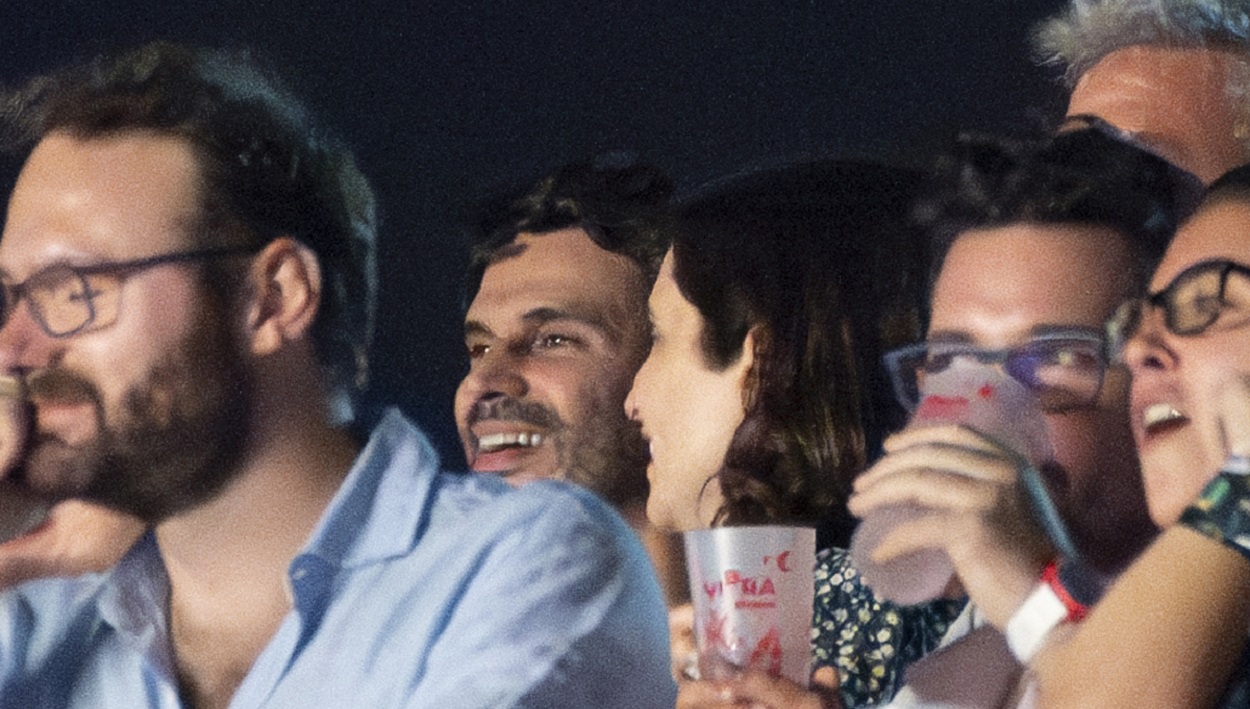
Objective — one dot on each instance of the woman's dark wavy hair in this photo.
(1088, 176)
(1235, 183)
(817, 260)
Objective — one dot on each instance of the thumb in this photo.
(826, 678)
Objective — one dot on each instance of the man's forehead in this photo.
(1140, 70)
(1007, 284)
(560, 271)
(119, 196)
(1173, 99)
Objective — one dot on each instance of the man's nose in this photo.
(498, 373)
(24, 344)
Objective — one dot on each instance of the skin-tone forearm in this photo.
(758, 689)
(1167, 634)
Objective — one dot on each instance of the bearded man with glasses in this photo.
(188, 277)
(1035, 245)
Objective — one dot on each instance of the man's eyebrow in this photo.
(955, 336)
(544, 315)
(474, 327)
(1051, 330)
(1043, 330)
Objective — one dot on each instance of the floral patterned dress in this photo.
(869, 641)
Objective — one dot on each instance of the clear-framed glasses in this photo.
(66, 300)
(1191, 303)
(1065, 369)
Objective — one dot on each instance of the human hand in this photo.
(75, 538)
(685, 654)
(14, 423)
(976, 507)
(760, 690)
(38, 539)
(1232, 408)
(20, 508)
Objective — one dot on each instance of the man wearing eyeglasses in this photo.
(1036, 246)
(187, 280)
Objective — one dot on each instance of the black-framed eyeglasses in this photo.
(1191, 303)
(66, 300)
(1065, 370)
(1187, 188)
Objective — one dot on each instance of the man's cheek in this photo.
(1074, 444)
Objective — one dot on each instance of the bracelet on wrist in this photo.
(1063, 594)
(1222, 511)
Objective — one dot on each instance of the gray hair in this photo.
(1089, 30)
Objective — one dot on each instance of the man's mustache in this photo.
(509, 409)
(55, 385)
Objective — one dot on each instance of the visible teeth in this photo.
(1156, 414)
(495, 441)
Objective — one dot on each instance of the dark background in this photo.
(447, 102)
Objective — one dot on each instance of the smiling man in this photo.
(557, 326)
(188, 279)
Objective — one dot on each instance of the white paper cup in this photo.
(752, 590)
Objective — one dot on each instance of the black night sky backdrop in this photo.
(448, 102)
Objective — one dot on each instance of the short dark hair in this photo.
(1235, 182)
(267, 170)
(620, 203)
(817, 259)
(1084, 176)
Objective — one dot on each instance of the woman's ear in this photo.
(748, 366)
(286, 294)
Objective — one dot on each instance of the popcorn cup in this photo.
(752, 590)
(985, 399)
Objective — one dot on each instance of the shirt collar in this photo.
(378, 510)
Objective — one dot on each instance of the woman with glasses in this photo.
(1171, 632)
(764, 394)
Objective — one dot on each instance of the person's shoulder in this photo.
(833, 565)
(554, 504)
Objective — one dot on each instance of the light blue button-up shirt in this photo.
(418, 588)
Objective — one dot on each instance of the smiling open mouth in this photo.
(499, 441)
(1158, 415)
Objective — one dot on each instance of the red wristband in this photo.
(1050, 577)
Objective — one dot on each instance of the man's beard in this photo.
(606, 454)
(176, 438)
(609, 457)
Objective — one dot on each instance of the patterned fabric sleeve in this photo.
(869, 641)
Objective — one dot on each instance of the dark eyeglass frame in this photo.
(11, 295)
(1187, 191)
(1126, 320)
(895, 363)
